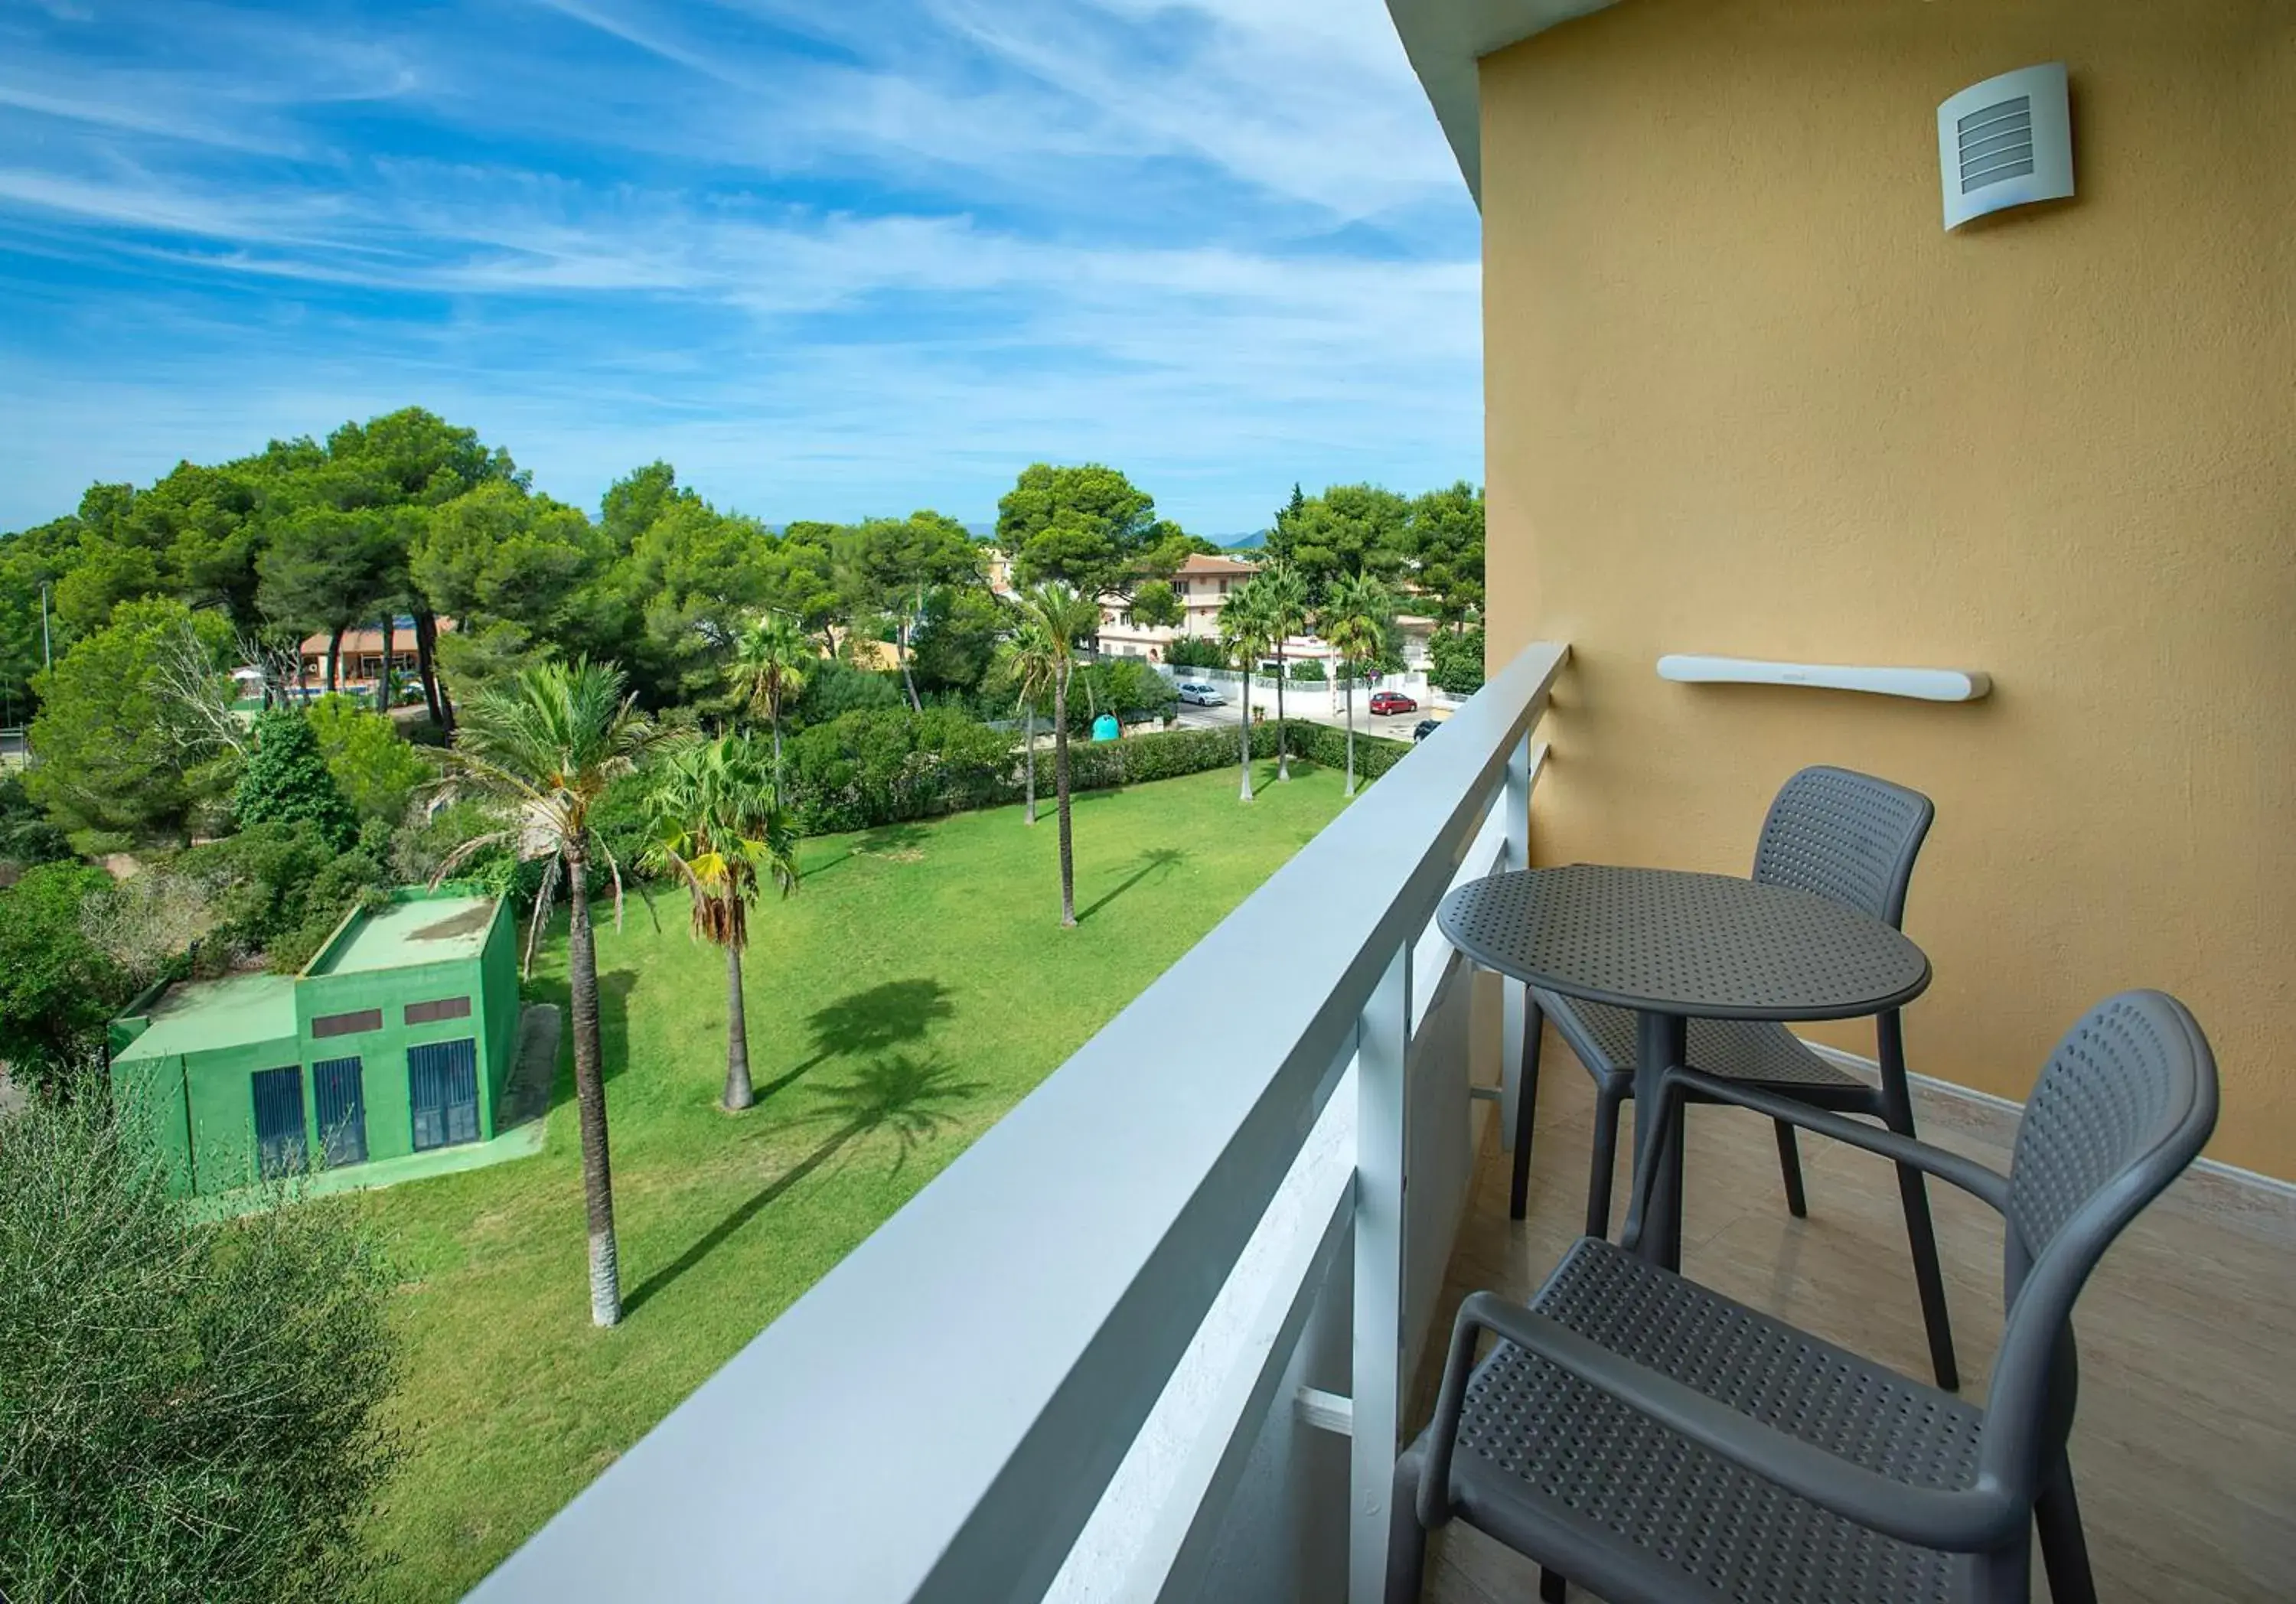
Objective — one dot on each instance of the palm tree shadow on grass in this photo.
(1153, 860)
(900, 1096)
(875, 1020)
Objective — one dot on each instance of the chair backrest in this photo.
(2128, 1100)
(1846, 837)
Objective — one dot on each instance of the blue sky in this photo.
(830, 257)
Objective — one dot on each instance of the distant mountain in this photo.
(1243, 543)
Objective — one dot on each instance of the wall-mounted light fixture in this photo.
(2006, 142)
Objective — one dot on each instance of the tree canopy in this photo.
(1088, 528)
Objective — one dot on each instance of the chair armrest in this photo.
(1988, 1186)
(1963, 1521)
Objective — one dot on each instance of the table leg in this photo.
(1660, 1041)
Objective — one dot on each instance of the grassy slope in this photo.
(916, 987)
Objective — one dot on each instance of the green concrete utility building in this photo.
(396, 1039)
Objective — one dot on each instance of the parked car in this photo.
(1202, 692)
(1392, 701)
(1425, 728)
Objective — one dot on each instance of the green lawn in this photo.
(916, 987)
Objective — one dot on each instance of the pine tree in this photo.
(287, 781)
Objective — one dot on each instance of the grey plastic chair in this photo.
(1838, 834)
(1655, 1441)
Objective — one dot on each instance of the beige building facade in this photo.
(1746, 396)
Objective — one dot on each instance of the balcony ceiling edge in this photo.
(1445, 38)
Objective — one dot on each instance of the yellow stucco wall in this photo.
(1746, 396)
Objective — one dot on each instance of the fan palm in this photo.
(770, 659)
(1028, 663)
(545, 745)
(1244, 626)
(1356, 615)
(1053, 619)
(718, 825)
(1283, 591)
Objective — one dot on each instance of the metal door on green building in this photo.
(442, 1086)
(281, 1147)
(342, 1110)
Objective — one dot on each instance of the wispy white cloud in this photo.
(826, 258)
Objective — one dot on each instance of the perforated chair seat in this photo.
(1755, 1052)
(1557, 1468)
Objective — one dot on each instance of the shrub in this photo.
(57, 987)
(286, 781)
(833, 688)
(424, 844)
(376, 770)
(869, 768)
(193, 1412)
(621, 821)
(1189, 651)
(1127, 687)
(1168, 754)
(26, 837)
(1310, 671)
(281, 890)
(1456, 664)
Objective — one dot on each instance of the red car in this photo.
(1392, 701)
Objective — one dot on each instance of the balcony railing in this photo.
(1100, 1355)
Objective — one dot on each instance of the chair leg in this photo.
(1605, 1160)
(1929, 1277)
(1526, 1104)
(1406, 1539)
(2064, 1550)
(1790, 1167)
(1551, 1585)
(1912, 1192)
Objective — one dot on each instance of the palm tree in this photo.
(1243, 630)
(1284, 592)
(1027, 661)
(719, 826)
(770, 659)
(1053, 619)
(1354, 619)
(545, 744)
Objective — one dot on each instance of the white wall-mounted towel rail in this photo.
(1922, 684)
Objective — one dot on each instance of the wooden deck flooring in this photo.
(2185, 1447)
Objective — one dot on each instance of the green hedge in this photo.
(873, 768)
(1138, 759)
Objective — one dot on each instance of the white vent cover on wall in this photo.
(2006, 142)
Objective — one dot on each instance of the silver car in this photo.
(1203, 693)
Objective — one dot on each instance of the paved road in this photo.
(1397, 727)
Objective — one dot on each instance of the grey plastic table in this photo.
(1675, 946)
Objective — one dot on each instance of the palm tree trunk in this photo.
(1060, 796)
(1351, 738)
(901, 651)
(1246, 727)
(776, 706)
(738, 1092)
(1028, 724)
(1283, 758)
(590, 1094)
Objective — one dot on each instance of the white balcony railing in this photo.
(1083, 1359)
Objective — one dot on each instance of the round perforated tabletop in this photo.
(1711, 947)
